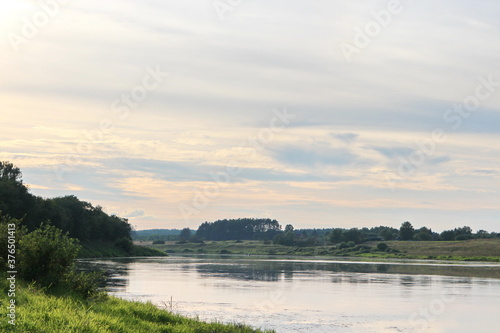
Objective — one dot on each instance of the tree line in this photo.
(270, 230)
(78, 218)
(238, 229)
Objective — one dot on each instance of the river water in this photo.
(314, 296)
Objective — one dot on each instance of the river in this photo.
(314, 296)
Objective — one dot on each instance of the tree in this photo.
(423, 234)
(352, 235)
(336, 235)
(238, 229)
(483, 234)
(289, 228)
(10, 172)
(406, 231)
(388, 235)
(185, 234)
(447, 235)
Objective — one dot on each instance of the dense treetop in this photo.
(79, 218)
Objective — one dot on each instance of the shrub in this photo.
(342, 245)
(197, 240)
(225, 252)
(351, 244)
(125, 244)
(84, 283)
(382, 246)
(159, 242)
(46, 255)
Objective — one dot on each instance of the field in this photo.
(469, 248)
(477, 249)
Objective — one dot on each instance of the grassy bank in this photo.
(103, 249)
(477, 249)
(62, 311)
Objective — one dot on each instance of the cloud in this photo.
(393, 152)
(345, 137)
(353, 121)
(136, 213)
(317, 155)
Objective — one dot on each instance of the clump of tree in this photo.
(238, 229)
(300, 238)
(407, 232)
(78, 218)
(463, 233)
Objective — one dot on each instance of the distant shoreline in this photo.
(481, 250)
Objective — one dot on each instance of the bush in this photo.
(46, 255)
(342, 245)
(125, 244)
(159, 242)
(382, 247)
(84, 283)
(351, 244)
(225, 252)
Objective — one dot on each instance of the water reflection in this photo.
(226, 267)
(305, 295)
(115, 271)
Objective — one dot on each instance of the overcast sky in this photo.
(319, 114)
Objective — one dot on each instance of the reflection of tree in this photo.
(115, 271)
(382, 268)
(407, 280)
(241, 272)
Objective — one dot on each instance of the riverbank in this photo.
(62, 311)
(470, 250)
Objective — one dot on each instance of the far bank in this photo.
(468, 250)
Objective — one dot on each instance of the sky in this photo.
(318, 114)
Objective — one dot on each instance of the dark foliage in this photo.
(245, 228)
(79, 218)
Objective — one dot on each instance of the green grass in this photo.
(103, 249)
(38, 311)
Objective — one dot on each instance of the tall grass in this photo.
(39, 311)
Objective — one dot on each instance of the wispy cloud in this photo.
(353, 122)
